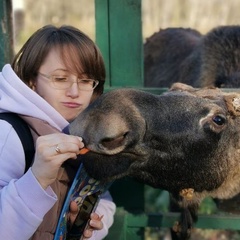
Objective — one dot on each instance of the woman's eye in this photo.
(85, 81)
(219, 120)
(60, 78)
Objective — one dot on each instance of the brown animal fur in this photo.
(183, 140)
(184, 55)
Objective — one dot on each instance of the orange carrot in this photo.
(83, 151)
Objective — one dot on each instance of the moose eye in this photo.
(219, 120)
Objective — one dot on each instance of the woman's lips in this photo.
(71, 104)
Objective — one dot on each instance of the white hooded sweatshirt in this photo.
(23, 202)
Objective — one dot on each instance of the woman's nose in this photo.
(73, 91)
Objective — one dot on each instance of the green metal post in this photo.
(6, 32)
(119, 36)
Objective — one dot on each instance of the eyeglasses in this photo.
(65, 82)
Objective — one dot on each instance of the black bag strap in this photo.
(24, 133)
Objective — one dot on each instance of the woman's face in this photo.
(68, 102)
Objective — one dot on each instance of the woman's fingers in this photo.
(73, 212)
(96, 221)
(51, 151)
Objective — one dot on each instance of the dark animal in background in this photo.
(186, 141)
(164, 53)
(184, 55)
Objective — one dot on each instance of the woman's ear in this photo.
(32, 85)
(94, 96)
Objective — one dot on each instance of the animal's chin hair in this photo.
(106, 169)
(104, 178)
(113, 178)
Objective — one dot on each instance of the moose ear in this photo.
(181, 87)
(233, 104)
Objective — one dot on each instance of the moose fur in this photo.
(186, 141)
(184, 55)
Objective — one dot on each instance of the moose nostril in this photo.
(112, 143)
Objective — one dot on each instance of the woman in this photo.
(61, 72)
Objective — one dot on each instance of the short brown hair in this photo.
(80, 54)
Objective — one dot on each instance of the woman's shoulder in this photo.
(7, 130)
(12, 159)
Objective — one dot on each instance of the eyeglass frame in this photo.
(77, 81)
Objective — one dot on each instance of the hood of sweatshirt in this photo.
(17, 97)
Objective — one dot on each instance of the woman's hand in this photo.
(94, 223)
(51, 151)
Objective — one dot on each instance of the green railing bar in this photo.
(162, 90)
(213, 221)
(151, 90)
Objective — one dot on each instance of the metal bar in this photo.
(102, 34)
(126, 43)
(120, 40)
(166, 220)
(6, 32)
(150, 90)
